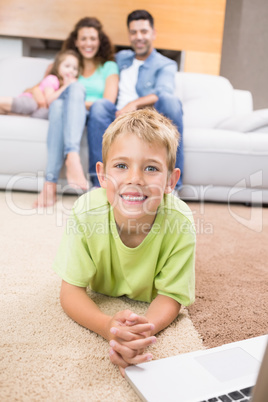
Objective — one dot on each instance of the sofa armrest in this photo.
(255, 121)
(207, 99)
(243, 102)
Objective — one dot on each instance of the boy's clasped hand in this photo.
(130, 335)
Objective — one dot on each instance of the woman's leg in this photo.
(47, 197)
(75, 114)
(55, 155)
(55, 141)
(67, 116)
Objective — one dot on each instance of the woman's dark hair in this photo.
(106, 49)
(140, 15)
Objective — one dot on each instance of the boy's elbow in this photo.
(62, 295)
(69, 294)
(65, 295)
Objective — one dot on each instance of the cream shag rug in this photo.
(45, 356)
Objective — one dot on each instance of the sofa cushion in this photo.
(243, 102)
(22, 144)
(224, 158)
(207, 99)
(256, 121)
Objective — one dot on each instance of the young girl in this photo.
(64, 71)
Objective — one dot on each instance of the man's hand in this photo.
(139, 103)
(130, 107)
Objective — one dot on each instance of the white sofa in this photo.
(225, 142)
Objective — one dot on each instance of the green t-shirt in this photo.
(92, 254)
(95, 84)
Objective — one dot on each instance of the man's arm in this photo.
(165, 79)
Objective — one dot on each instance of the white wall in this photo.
(13, 47)
(245, 48)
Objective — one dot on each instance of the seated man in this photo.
(147, 78)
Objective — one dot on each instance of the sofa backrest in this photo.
(207, 99)
(20, 73)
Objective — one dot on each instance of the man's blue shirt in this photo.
(156, 74)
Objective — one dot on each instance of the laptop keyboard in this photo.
(241, 396)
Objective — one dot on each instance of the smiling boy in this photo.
(143, 245)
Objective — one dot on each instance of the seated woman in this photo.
(98, 82)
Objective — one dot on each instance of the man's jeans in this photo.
(67, 117)
(102, 113)
(171, 107)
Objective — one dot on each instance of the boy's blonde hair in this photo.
(148, 125)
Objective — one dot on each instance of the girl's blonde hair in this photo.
(148, 125)
(59, 59)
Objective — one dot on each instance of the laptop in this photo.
(222, 374)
